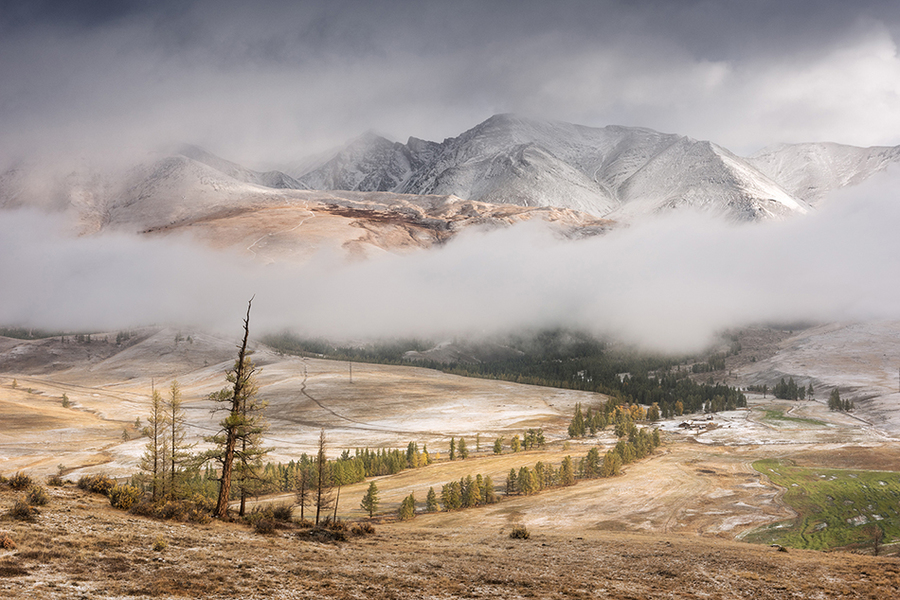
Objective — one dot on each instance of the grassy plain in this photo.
(835, 507)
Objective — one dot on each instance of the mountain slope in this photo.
(271, 179)
(810, 171)
(621, 172)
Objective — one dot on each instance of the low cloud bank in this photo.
(668, 284)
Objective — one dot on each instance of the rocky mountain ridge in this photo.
(623, 173)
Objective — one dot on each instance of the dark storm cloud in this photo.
(268, 82)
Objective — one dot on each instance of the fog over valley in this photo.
(668, 283)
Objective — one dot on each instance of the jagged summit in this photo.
(615, 171)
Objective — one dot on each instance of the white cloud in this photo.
(668, 284)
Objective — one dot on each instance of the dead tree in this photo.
(236, 426)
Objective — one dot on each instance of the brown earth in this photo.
(79, 547)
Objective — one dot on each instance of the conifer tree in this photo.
(514, 444)
(241, 429)
(431, 503)
(567, 472)
(461, 449)
(370, 500)
(512, 483)
(178, 452)
(452, 448)
(498, 446)
(451, 496)
(577, 427)
(488, 493)
(323, 479)
(153, 460)
(472, 493)
(834, 400)
(407, 508)
(612, 463)
(302, 480)
(526, 481)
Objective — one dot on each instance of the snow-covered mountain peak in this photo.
(616, 171)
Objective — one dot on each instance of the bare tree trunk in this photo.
(231, 431)
(336, 500)
(320, 484)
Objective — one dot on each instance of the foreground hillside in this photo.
(79, 547)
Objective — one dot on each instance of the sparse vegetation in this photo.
(6, 542)
(23, 511)
(37, 496)
(519, 532)
(124, 497)
(20, 481)
(97, 484)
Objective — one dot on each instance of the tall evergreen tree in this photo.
(178, 451)
(431, 503)
(241, 428)
(370, 500)
(407, 508)
(323, 479)
(567, 472)
(461, 449)
(153, 460)
(512, 483)
(488, 493)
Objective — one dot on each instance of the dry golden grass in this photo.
(80, 547)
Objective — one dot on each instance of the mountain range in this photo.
(582, 178)
(620, 173)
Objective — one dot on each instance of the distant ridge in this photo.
(623, 173)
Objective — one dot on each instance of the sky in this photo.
(269, 83)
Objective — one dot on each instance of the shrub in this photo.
(3, 479)
(519, 532)
(304, 523)
(338, 526)
(160, 543)
(97, 484)
(56, 480)
(282, 513)
(37, 496)
(362, 529)
(23, 511)
(197, 509)
(124, 497)
(265, 526)
(6, 542)
(20, 481)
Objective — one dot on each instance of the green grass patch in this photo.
(837, 507)
(777, 417)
